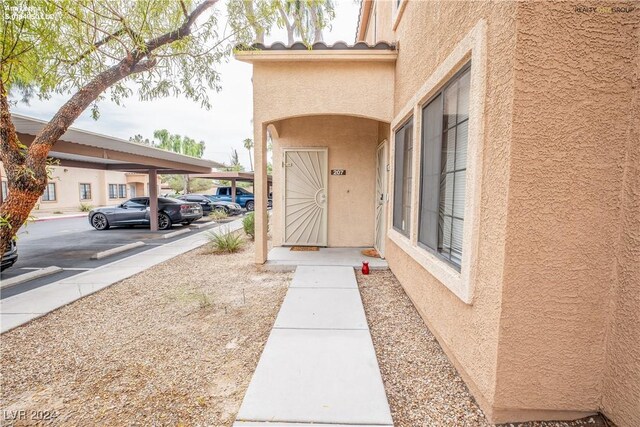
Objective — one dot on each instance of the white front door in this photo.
(305, 196)
(132, 190)
(381, 197)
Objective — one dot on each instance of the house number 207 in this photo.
(338, 171)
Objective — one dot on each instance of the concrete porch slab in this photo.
(314, 308)
(324, 277)
(283, 258)
(317, 376)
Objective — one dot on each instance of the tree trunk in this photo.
(250, 159)
(24, 187)
(255, 24)
(317, 28)
(287, 24)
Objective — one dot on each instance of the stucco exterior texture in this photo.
(553, 330)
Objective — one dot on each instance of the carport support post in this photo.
(233, 190)
(260, 190)
(153, 199)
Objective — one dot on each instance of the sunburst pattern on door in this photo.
(305, 197)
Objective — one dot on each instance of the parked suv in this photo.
(243, 197)
(136, 212)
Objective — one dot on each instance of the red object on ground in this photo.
(365, 267)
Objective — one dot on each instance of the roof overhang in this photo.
(84, 149)
(320, 51)
(254, 56)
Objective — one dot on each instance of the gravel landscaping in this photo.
(174, 345)
(423, 387)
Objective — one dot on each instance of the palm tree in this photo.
(248, 144)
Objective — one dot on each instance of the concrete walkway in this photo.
(23, 307)
(283, 258)
(319, 366)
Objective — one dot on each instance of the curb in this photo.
(117, 250)
(51, 218)
(202, 225)
(176, 233)
(36, 274)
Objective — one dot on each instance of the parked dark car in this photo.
(10, 255)
(209, 205)
(136, 212)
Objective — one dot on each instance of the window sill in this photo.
(438, 268)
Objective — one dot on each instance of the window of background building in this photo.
(113, 191)
(49, 194)
(85, 191)
(402, 178)
(445, 121)
(122, 191)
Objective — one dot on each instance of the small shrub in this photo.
(225, 242)
(218, 214)
(199, 297)
(85, 207)
(249, 225)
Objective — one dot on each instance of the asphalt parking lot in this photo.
(69, 243)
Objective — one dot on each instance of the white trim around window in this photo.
(472, 48)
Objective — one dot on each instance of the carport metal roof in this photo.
(229, 176)
(84, 149)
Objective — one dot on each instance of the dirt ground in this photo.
(174, 345)
(423, 387)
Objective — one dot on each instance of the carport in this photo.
(234, 177)
(84, 149)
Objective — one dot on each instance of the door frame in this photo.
(325, 150)
(385, 147)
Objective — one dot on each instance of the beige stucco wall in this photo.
(67, 181)
(469, 333)
(621, 387)
(571, 129)
(351, 144)
(291, 89)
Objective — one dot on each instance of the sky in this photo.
(223, 127)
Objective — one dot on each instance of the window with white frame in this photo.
(85, 191)
(49, 194)
(113, 191)
(445, 124)
(122, 191)
(403, 175)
